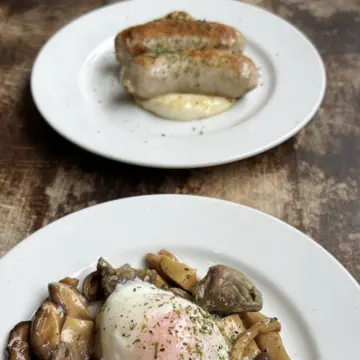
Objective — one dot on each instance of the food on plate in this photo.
(111, 276)
(168, 254)
(182, 293)
(230, 327)
(46, 329)
(186, 107)
(245, 338)
(92, 288)
(180, 273)
(161, 311)
(63, 351)
(176, 32)
(227, 291)
(153, 261)
(270, 342)
(78, 334)
(70, 299)
(151, 275)
(18, 346)
(152, 323)
(181, 68)
(211, 72)
(70, 281)
(263, 356)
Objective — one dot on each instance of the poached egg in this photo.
(141, 322)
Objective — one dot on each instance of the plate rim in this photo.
(246, 208)
(171, 164)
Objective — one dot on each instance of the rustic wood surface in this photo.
(311, 181)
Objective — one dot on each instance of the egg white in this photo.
(139, 321)
(186, 107)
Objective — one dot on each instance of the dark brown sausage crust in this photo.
(177, 31)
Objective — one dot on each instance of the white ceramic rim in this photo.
(230, 145)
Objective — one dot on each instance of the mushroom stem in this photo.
(243, 341)
(270, 342)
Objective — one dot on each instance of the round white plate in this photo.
(315, 298)
(76, 88)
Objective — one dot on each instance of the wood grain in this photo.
(311, 181)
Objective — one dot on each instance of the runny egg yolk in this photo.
(141, 322)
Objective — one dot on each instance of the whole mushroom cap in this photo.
(227, 291)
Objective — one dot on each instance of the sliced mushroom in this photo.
(79, 334)
(105, 268)
(152, 277)
(227, 291)
(231, 327)
(126, 273)
(263, 356)
(180, 273)
(74, 282)
(168, 254)
(45, 329)
(147, 275)
(18, 347)
(62, 352)
(271, 342)
(92, 287)
(243, 341)
(111, 277)
(160, 282)
(70, 299)
(153, 262)
(182, 293)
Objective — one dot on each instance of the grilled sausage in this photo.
(210, 72)
(175, 32)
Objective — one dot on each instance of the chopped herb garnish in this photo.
(156, 350)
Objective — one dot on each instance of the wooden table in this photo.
(311, 181)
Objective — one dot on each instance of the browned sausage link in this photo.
(210, 72)
(176, 32)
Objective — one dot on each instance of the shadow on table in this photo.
(56, 151)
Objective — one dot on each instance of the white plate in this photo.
(315, 298)
(75, 86)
